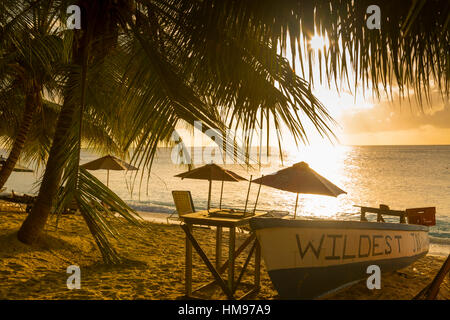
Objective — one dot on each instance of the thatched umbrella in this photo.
(108, 163)
(211, 172)
(300, 178)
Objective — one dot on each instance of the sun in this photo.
(317, 42)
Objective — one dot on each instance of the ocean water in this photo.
(398, 176)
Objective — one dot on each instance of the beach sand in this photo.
(153, 266)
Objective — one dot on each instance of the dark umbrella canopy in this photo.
(211, 172)
(108, 163)
(235, 175)
(300, 178)
(17, 167)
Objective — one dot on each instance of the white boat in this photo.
(309, 259)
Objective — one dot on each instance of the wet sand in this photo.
(152, 267)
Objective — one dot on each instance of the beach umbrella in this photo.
(211, 172)
(17, 167)
(300, 178)
(108, 163)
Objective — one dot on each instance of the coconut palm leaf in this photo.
(97, 203)
(409, 51)
(221, 62)
(240, 94)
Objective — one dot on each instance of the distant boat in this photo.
(310, 259)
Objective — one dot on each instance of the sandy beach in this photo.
(152, 268)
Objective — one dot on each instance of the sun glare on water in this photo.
(317, 42)
(325, 159)
(328, 161)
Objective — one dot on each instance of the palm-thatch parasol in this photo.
(108, 163)
(211, 172)
(300, 178)
(17, 167)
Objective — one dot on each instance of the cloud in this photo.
(391, 116)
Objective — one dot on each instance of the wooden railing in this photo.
(382, 210)
(421, 216)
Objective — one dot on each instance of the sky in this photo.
(369, 121)
(365, 120)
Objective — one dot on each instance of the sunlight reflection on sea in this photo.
(399, 176)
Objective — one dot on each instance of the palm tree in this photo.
(174, 93)
(219, 62)
(33, 101)
(83, 52)
(96, 135)
(28, 60)
(32, 62)
(41, 128)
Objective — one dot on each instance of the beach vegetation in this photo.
(143, 67)
(30, 62)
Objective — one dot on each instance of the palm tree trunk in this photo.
(94, 12)
(35, 222)
(32, 102)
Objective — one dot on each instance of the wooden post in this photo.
(107, 178)
(295, 211)
(248, 193)
(436, 283)
(221, 192)
(242, 247)
(383, 210)
(260, 139)
(257, 196)
(244, 268)
(208, 264)
(209, 194)
(257, 264)
(218, 247)
(231, 262)
(431, 291)
(188, 270)
(363, 214)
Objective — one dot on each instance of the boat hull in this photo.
(308, 259)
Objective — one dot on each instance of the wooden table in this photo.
(230, 286)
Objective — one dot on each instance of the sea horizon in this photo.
(359, 170)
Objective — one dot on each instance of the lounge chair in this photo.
(16, 201)
(183, 204)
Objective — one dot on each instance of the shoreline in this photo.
(153, 265)
(439, 248)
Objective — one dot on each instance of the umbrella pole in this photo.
(257, 197)
(248, 192)
(221, 192)
(209, 193)
(295, 211)
(107, 178)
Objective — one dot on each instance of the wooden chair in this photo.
(183, 204)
